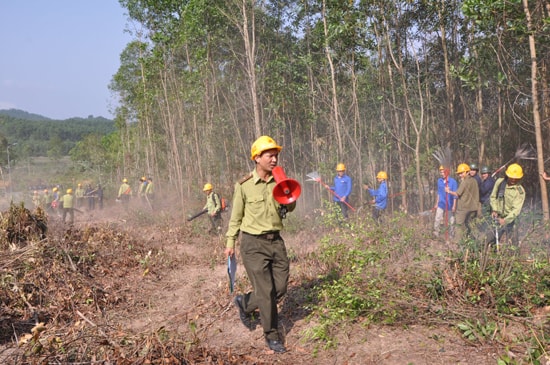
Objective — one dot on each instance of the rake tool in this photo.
(314, 176)
(524, 152)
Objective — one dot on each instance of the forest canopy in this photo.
(378, 85)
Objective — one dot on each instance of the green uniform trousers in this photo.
(267, 266)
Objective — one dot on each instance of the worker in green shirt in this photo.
(507, 201)
(258, 216)
(68, 204)
(79, 195)
(213, 207)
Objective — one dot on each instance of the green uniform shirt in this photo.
(468, 194)
(68, 201)
(149, 189)
(213, 204)
(79, 193)
(509, 206)
(124, 190)
(47, 198)
(254, 209)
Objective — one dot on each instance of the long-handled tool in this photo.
(497, 243)
(314, 176)
(231, 271)
(524, 152)
(197, 215)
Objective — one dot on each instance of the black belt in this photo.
(265, 236)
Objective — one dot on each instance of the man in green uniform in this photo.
(124, 192)
(150, 192)
(68, 204)
(79, 195)
(507, 201)
(213, 207)
(47, 201)
(468, 200)
(258, 216)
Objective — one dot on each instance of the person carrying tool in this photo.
(124, 192)
(258, 216)
(380, 195)
(342, 189)
(141, 190)
(68, 205)
(507, 200)
(468, 201)
(445, 203)
(150, 192)
(213, 207)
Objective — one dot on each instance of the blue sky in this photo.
(57, 57)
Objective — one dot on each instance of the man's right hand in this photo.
(229, 252)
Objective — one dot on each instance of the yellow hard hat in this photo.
(340, 167)
(462, 168)
(143, 178)
(207, 187)
(54, 189)
(79, 185)
(69, 191)
(125, 180)
(514, 171)
(262, 144)
(382, 175)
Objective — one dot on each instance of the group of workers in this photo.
(256, 217)
(146, 192)
(497, 203)
(64, 205)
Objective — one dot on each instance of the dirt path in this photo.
(192, 299)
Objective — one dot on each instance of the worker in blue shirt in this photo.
(380, 195)
(342, 189)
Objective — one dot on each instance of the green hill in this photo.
(37, 135)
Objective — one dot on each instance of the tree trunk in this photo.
(536, 113)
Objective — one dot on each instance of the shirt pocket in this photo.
(256, 204)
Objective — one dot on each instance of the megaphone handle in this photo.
(282, 211)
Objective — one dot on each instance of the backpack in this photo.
(223, 203)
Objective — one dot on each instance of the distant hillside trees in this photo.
(51, 137)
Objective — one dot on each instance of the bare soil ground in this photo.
(129, 287)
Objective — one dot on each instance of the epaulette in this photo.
(245, 179)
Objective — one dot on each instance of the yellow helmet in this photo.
(143, 178)
(382, 175)
(207, 187)
(340, 167)
(514, 171)
(79, 185)
(462, 168)
(125, 180)
(54, 189)
(262, 144)
(69, 191)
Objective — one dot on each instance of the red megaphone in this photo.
(287, 190)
